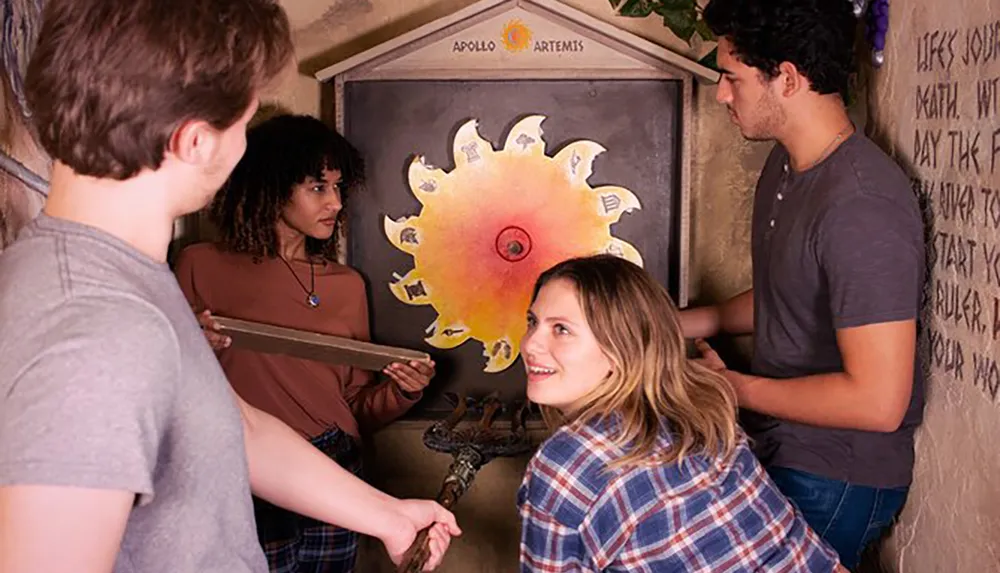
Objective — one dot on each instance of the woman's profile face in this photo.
(314, 206)
(562, 358)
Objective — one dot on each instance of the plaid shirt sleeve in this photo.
(577, 516)
(554, 503)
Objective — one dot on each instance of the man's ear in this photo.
(791, 80)
(195, 142)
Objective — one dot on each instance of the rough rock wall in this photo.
(19, 23)
(936, 105)
(18, 203)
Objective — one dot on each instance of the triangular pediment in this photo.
(516, 40)
(518, 35)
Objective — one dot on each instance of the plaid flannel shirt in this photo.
(701, 515)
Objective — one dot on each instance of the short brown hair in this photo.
(111, 80)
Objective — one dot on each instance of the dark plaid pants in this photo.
(297, 544)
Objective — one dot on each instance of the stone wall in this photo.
(936, 105)
(18, 203)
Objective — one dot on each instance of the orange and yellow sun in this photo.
(491, 225)
(516, 36)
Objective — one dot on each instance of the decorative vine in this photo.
(684, 19)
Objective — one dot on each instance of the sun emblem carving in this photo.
(491, 225)
(516, 36)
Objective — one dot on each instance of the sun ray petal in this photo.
(499, 353)
(469, 147)
(613, 202)
(577, 159)
(412, 289)
(426, 181)
(405, 234)
(526, 137)
(447, 334)
(624, 250)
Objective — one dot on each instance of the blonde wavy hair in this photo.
(652, 381)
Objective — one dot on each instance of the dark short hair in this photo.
(110, 81)
(817, 36)
(282, 152)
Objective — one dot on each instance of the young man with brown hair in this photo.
(122, 447)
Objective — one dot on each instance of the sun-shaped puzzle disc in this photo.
(492, 224)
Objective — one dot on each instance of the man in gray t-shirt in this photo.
(108, 383)
(835, 392)
(122, 446)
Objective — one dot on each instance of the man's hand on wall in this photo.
(709, 357)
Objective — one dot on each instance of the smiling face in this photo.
(314, 206)
(751, 98)
(562, 357)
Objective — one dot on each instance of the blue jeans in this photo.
(847, 516)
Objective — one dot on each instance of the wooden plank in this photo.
(684, 221)
(339, 119)
(313, 346)
(517, 74)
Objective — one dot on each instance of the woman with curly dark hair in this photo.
(278, 217)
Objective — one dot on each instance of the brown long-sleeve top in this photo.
(312, 397)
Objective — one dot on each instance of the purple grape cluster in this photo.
(877, 26)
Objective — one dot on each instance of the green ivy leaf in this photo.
(703, 30)
(710, 61)
(636, 8)
(664, 6)
(681, 23)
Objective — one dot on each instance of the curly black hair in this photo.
(282, 152)
(817, 36)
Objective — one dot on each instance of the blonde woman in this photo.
(647, 470)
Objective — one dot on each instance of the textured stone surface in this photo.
(18, 203)
(930, 102)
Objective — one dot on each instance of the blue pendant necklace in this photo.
(312, 300)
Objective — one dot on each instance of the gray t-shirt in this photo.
(107, 382)
(837, 246)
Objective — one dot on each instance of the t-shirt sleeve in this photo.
(871, 253)
(90, 396)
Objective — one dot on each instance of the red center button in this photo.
(513, 244)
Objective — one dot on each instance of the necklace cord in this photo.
(827, 150)
(312, 277)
